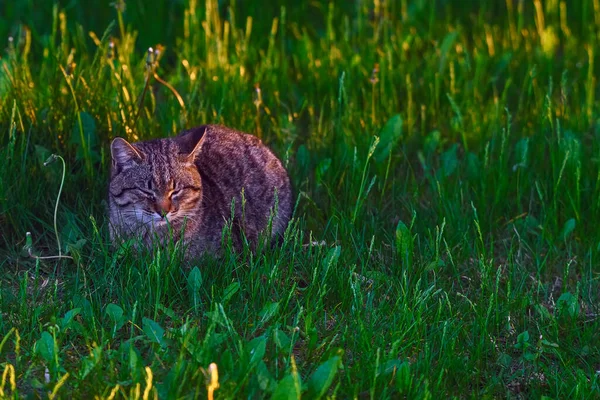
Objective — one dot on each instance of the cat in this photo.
(183, 188)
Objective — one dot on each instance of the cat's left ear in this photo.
(190, 142)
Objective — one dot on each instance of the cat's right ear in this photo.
(123, 153)
(190, 141)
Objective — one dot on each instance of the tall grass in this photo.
(445, 152)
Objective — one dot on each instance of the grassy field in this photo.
(447, 153)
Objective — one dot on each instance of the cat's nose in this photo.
(164, 206)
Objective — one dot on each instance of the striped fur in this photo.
(182, 188)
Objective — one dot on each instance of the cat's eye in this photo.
(179, 191)
(149, 185)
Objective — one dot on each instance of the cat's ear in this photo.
(195, 151)
(190, 142)
(123, 153)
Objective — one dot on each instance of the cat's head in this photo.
(154, 184)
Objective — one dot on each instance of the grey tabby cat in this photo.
(184, 186)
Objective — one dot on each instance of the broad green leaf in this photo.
(256, 349)
(154, 331)
(268, 311)
(227, 360)
(286, 389)
(77, 246)
(522, 341)
(44, 347)
(41, 153)
(115, 313)
(389, 136)
(568, 303)
(322, 168)
(215, 317)
(88, 363)
(543, 312)
(135, 362)
(68, 318)
(567, 229)
(445, 49)
(230, 291)
(264, 377)
(449, 161)
(169, 312)
(282, 340)
(404, 244)
(390, 367)
(432, 142)
(522, 153)
(195, 279)
(85, 305)
(321, 379)
(404, 376)
(504, 360)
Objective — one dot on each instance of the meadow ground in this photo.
(446, 152)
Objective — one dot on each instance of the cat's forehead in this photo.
(156, 147)
(156, 153)
(163, 162)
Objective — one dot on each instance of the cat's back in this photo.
(232, 162)
(221, 140)
(227, 151)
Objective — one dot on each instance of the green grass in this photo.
(447, 155)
